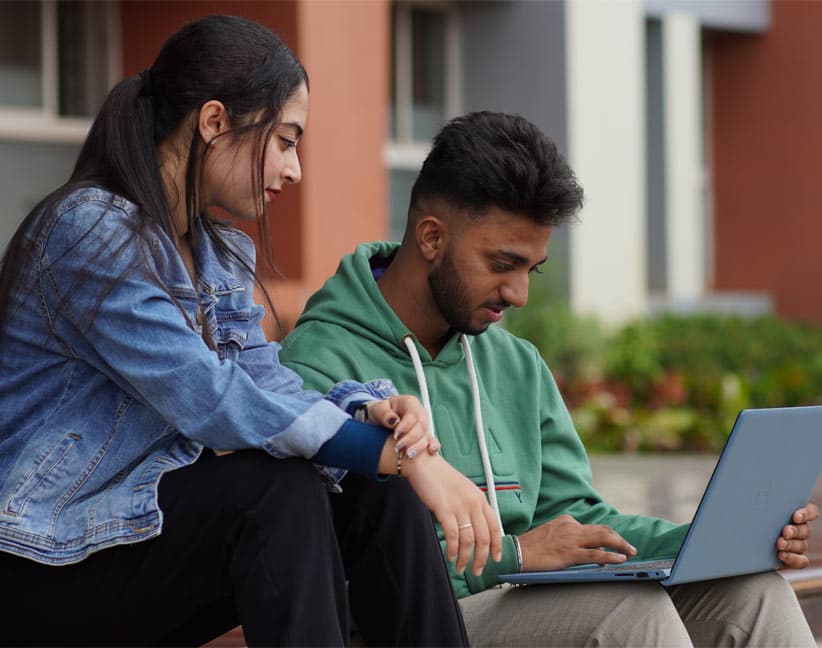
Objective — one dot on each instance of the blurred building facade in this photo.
(692, 125)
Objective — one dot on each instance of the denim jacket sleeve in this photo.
(259, 356)
(107, 296)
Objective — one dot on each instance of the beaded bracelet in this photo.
(399, 464)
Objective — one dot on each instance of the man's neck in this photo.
(404, 285)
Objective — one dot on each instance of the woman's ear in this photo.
(213, 120)
(432, 234)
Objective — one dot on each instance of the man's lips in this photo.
(495, 311)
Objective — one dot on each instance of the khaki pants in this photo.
(757, 610)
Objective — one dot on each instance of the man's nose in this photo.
(515, 291)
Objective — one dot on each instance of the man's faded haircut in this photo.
(487, 159)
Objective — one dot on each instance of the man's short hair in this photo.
(489, 159)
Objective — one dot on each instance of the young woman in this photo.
(132, 357)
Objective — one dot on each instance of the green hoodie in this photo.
(539, 465)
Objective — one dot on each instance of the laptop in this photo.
(767, 470)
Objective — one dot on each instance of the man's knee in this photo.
(618, 614)
(759, 609)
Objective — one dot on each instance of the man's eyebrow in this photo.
(519, 259)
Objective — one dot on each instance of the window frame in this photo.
(403, 152)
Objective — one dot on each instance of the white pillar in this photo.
(684, 200)
(606, 148)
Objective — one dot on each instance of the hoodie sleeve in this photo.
(567, 483)
(466, 583)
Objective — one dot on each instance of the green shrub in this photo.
(671, 382)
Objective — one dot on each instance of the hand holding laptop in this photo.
(563, 542)
(793, 543)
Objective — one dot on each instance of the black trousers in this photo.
(250, 540)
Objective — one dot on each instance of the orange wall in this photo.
(767, 153)
(344, 44)
(341, 201)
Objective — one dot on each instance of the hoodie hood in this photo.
(352, 300)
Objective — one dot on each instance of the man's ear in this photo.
(432, 234)
(213, 120)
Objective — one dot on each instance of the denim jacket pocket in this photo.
(45, 473)
(232, 332)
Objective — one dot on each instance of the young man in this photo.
(482, 211)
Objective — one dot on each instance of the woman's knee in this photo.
(248, 480)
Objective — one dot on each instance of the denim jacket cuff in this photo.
(348, 392)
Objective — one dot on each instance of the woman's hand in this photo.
(461, 509)
(408, 420)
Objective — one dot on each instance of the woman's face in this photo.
(231, 166)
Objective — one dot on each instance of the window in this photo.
(425, 92)
(56, 65)
(57, 62)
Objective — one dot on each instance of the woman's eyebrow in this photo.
(295, 126)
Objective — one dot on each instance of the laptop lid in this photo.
(767, 469)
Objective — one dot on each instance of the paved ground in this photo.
(667, 486)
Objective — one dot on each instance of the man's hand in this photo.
(793, 543)
(563, 541)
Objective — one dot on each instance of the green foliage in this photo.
(671, 382)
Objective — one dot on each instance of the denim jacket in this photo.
(106, 386)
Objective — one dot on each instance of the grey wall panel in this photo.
(28, 171)
(514, 61)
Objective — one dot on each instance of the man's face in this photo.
(485, 268)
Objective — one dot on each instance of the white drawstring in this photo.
(415, 359)
(408, 340)
(480, 428)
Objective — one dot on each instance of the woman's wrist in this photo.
(391, 461)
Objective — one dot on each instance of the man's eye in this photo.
(499, 266)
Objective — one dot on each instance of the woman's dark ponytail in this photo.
(120, 151)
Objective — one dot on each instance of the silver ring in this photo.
(467, 525)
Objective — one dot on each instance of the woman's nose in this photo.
(292, 173)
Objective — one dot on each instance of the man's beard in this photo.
(451, 296)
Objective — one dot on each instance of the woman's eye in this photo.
(289, 143)
(537, 269)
